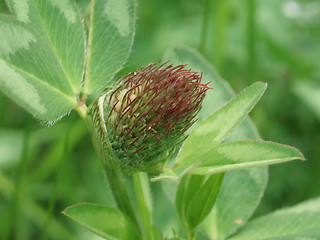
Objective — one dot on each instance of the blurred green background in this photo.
(273, 41)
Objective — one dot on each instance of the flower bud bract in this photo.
(139, 122)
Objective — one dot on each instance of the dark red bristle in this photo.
(155, 103)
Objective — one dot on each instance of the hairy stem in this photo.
(115, 176)
(142, 191)
(88, 57)
(121, 196)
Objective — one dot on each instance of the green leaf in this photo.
(299, 222)
(213, 130)
(220, 124)
(241, 190)
(30, 72)
(240, 194)
(106, 222)
(59, 23)
(111, 32)
(156, 233)
(216, 127)
(242, 154)
(195, 198)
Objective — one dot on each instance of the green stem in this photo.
(220, 21)
(142, 190)
(115, 176)
(205, 21)
(251, 39)
(88, 57)
(191, 236)
(121, 196)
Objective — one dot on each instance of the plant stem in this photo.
(251, 40)
(142, 190)
(121, 196)
(205, 21)
(191, 236)
(88, 57)
(115, 176)
(220, 22)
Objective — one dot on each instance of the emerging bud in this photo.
(143, 119)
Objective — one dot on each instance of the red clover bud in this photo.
(144, 118)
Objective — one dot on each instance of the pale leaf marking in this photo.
(20, 87)
(13, 38)
(21, 7)
(117, 12)
(66, 9)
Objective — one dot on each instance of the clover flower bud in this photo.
(141, 120)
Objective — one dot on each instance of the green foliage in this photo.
(220, 124)
(242, 154)
(31, 74)
(59, 24)
(196, 195)
(32, 211)
(106, 222)
(299, 222)
(241, 190)
(200, 153)
(52, 63)
(239, 196)
(46, 60)
(110, 37)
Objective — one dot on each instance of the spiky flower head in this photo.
(147, 114)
